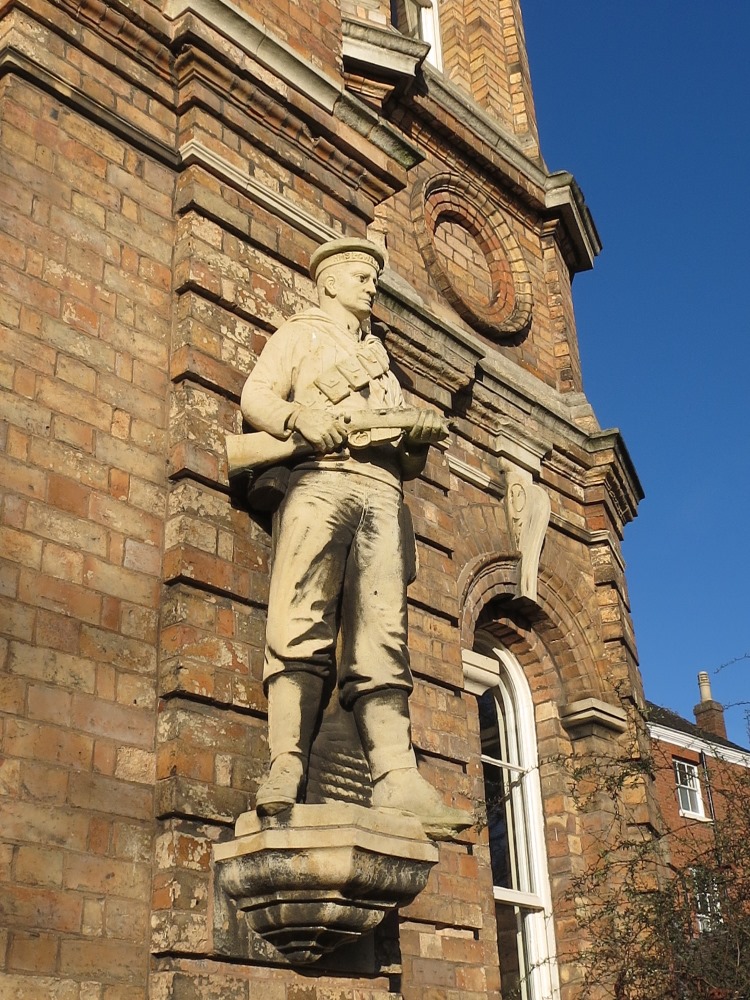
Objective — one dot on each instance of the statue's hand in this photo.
(427, 429)
(320, 428)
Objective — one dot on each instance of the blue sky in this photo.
(648, 105)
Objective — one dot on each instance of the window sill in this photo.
(698, 817)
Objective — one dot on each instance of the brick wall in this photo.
(162, 190)
(484, 53)
(86, 279)
(721, 782)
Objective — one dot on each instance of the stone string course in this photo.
(136, 292)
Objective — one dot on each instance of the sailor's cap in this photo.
(343, 251)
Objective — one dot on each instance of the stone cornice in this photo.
(424, 342)
(367, 123)
(554, 195)
(590, 716)
(290, 128)
(135, 27)
(562, 194)
(615, 472)
(590, 538)
(601, 457)
(421, 341)
(501, 376)
(504, 396)
(484, 126)
(259, 43)
(569, 468)
(195, 152)
(289, 67)
(685, 741)
(13, 60)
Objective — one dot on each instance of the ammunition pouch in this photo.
(353, 372)
(267, 487)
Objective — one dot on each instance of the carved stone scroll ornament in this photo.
(528, 510)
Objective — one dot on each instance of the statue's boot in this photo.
(385, 730)
(294, 701)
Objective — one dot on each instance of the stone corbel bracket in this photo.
(381, 50)
(527, 507)
(316, 878)
(593, 717)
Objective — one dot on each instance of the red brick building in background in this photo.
(702, 785)
(168, 167)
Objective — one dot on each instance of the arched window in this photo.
(523, 909)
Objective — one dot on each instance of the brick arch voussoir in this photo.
(471, 203)
(557, 624)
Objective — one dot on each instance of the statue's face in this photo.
(354, 285)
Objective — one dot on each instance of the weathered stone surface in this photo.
(319, 877)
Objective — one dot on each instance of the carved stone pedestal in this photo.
(319, 876)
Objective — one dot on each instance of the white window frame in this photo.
(688, 788)
(429, 31)
(423, 22)
(501, 673)
(707, 901)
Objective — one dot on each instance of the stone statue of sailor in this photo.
(342, 551)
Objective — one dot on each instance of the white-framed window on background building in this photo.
(521, 889)
(419, 19)
(707, 900)
(688, 785)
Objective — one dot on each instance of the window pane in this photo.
(498, 810)
(707, 900)
(688, 787)
(500, 790)
(489, 727)
(515, 982)
(405, 17)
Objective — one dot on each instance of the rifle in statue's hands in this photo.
(258, 449)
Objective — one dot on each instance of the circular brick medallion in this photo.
(472, 255)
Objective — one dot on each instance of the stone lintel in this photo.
(520, 450)
(475, 476)
(196, 152)
(590, 716)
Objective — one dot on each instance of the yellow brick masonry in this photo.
(484, 54)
